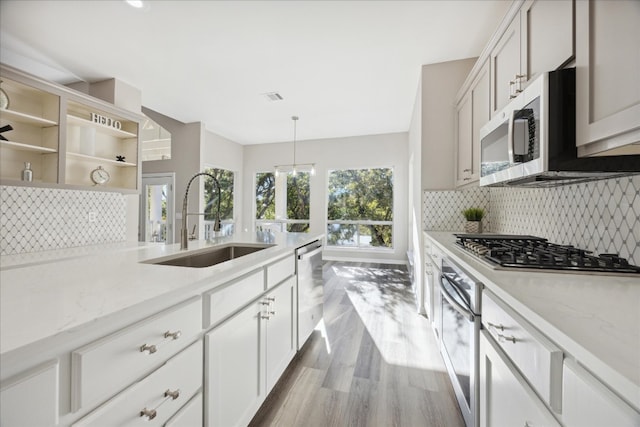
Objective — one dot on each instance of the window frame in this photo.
(227, 225)
(279, 223)
(358, 223)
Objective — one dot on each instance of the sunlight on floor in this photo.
(323, 333)
(385, 303)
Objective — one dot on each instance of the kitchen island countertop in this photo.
(594, 318)
(51, 293)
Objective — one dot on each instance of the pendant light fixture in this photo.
(294, 168)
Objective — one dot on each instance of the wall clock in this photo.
(100, 176)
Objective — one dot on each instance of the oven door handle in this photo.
(463, 311)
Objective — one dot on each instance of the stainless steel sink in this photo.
(209, 257)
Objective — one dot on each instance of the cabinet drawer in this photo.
(280, 270)
(154, 399)
(106, 366)
(222, 302)
(190, 415)
(588, 403)
(31, 399)
(539, 360)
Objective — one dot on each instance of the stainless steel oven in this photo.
(460, 311)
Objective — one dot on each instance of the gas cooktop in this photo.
(531, 252)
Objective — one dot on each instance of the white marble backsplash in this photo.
(36, 219)
(601, 216)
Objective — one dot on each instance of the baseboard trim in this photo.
(367, 260)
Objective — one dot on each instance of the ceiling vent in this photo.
(273, 96)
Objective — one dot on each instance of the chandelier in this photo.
(294, 168)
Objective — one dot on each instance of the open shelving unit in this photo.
(52, 128)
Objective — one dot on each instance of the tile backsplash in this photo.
(37, 219)
(601, 216)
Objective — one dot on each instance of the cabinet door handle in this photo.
(172, 394)
(150, 348)
(174, 335)
(506, 338)
(168, 395)
(149, 413)
(271, 299)
(494, 326)
(271, 313)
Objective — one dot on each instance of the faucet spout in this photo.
(184, 233)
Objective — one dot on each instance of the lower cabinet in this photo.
(505, 397)
(281, 334)
(156, 397)
(245, 356)
(233, 364)
(190, 415)
(32, 398)
(588, 403)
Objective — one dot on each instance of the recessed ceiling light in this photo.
(138, 4)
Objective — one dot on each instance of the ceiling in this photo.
(345, 67)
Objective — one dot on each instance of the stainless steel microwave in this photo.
(531, 142)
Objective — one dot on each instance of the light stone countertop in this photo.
(594, 318)
(49, 293)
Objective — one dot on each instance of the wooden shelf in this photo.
(71, 119)
(27, 147)
(101, 159)
(26, 118)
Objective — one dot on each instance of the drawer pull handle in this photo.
(149, 413)
(150, 348)
(266, 317)
(152, 413)
(506, 338)
(175, 335)
(271, 299)
(494, 326)
(265, 302)
(172, 394)
(271, 313)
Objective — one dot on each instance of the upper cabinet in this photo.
(30, 125)
(607, 70)
(472, 113)
(66, 138)
(539, 38)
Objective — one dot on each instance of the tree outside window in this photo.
(360, 208)
(225, 178)
(283, 201)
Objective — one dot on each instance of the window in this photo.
(225, 178)
(282, 202)
(360, 208)
(155, 141)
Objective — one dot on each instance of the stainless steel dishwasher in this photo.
(310, 289)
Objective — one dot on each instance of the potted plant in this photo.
(474, 220)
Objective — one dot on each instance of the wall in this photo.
(193, 148)
(219, 152)
(36, 219)
(601, 216)
(388, 150)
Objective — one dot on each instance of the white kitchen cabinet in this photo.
(539, 38)
(505, 67)
(190, 415)
(280, 331)
(547, 36)
(505, 397)
(31, 399)
(65, 135)
(246, 354)
(102, 368)
(588, 403)
(234, 368)
(156, 397)
(537, 358)
(473, 113)
(607, 70)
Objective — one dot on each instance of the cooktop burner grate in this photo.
(533, 252)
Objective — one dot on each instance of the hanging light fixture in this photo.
(294, 168)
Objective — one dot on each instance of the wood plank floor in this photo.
(376, 363)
